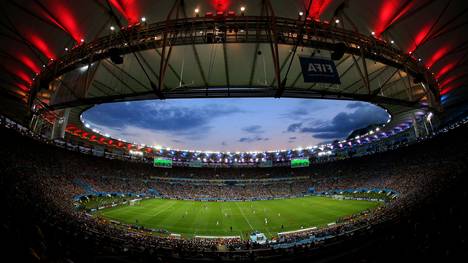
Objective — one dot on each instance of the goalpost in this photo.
(134, 202)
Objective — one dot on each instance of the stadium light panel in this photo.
(84, 68)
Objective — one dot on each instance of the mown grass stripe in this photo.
(199, 218)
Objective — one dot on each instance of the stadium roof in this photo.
(41, 34)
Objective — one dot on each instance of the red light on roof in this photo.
(65, 19)
(41, 45)
(445, 70)
(23, 87)
(439, 54)
(231, 13)
(451, 79)
(389, 13)
(451, 88)
(220, 13)
(318, 7)
(23, 76)
(420, 37)
(128, 8)
(29, 63)
(208, 14)
(221, 5)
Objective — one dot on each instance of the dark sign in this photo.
(196, 163)
(266, 163)
(318, 70)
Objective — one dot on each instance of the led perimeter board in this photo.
(162, 162)
(303, 162)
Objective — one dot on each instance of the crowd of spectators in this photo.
(47, 178)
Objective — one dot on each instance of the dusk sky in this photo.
(248, 124)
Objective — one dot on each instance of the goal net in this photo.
(134, 202)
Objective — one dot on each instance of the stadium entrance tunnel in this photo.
(230, 125)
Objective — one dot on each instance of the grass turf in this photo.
(191, 218)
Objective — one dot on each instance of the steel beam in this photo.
(273, 37)
(237, 92)
(256, 27)
(165, 60)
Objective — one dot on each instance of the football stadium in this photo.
(237, 131)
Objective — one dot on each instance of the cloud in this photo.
(256, 129)
(158, 116)
(294, 127)
(297, 113)
(204, 125)
(343, 123)
(306, 109)
(253, 139)
(354, 105)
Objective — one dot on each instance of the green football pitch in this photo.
(270, 217)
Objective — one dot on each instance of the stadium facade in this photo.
(69, 188)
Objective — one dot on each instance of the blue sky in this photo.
(248, 124)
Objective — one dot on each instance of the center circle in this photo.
(236, 125)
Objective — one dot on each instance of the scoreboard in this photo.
(302, 162)
(162, 162)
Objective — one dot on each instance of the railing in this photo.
(239, 29)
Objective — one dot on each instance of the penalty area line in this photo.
(245, 218)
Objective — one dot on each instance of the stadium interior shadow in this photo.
(434, 229)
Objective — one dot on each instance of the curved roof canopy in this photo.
(63, 53)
